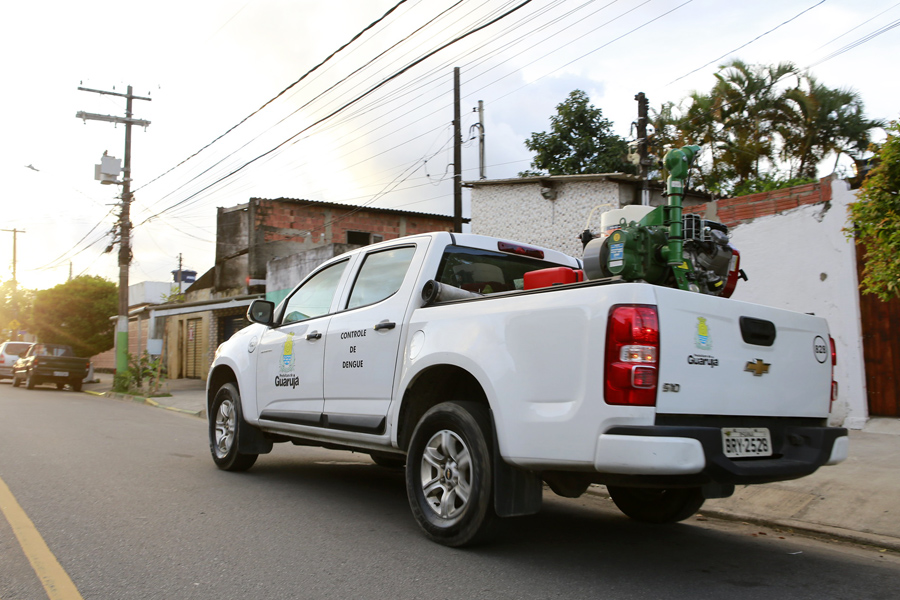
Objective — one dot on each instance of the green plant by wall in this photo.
(144, 376)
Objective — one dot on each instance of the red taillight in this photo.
(834, 385)
(632, 356)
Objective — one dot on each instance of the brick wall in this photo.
(734, 211)
(285, 220)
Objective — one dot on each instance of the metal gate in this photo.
(193, 346)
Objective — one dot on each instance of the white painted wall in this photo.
(149, 292)
(518, 212)
(800, 260)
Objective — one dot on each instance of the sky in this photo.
(371, 125)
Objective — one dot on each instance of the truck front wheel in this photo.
(31, 381)
(658, 506)
(225, 425)
(448, 474)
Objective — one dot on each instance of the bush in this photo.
(144, 377)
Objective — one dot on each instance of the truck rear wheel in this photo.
(655, 505)
(31, 381)
(76, 385)
(449, 476)
(226, 423)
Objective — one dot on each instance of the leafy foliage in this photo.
(580, 141)
(763, 123)
(876, 220)
(144, 376)
(15, 305)
(77, 313)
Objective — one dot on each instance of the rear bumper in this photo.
(695, 454)
(49, 374)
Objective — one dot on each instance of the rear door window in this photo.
(486, 271)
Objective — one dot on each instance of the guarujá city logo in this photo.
(287, 354)
(703, 339)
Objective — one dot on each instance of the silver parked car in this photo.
(9, 354)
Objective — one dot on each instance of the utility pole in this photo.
(457, 156)
(643, 151)
(481, 173)
(179, 273)
(15, 232)
(124, 218)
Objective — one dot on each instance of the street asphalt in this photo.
(857, 500)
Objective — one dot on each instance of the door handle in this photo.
(386, 325)
(315, 335)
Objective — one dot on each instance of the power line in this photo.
(63, 257)
(748, 43)
(859, 42)
(279, 94)
(858, 26)
(317, 97)
(348, 104)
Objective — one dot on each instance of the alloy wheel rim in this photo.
(225, 422)
(446, 474)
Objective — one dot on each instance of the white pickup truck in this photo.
(452, 355)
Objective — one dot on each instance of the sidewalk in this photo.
(858, 500)
(187, 395)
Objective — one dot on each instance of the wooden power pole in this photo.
(124, 218)
(457, 156)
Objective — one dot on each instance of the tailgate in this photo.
(725, 357)
(63, 364)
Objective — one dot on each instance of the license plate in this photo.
(741, 442)
(60, 373)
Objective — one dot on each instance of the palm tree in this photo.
(751, 111)
(823, 121)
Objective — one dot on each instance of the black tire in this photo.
(31, 381)
(75, 384)
(388, 461)
(449, 476)
(60, 386)
(16, 381)
(226, 422)
(658, 506)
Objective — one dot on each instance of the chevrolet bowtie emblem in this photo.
(758, 368)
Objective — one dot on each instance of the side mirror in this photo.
(262, 312)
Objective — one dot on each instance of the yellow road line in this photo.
(55, 580)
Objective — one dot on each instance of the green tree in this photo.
(876, 220)
(15, 305)
(821, 121)
(759, 129)
(77, 313)
(580, 141)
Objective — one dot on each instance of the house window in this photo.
(360, 238)
(363, 238)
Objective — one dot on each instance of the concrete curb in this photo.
(150, 402)
(882, 542)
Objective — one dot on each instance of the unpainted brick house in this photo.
(263, 249)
